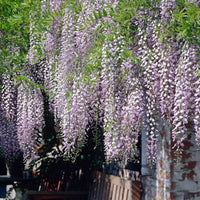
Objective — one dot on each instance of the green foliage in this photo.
(185, 22)
(15, 30)
(16, 17)
(183, 25)
(122, 17)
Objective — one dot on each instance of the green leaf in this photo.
(82, 28)
(91, 18)
(95, 15)
(25, 5)
(111, 13)
(102, 37)
(100, 13)
(105, 13)
(88, 21)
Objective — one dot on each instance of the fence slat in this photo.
(109, 187)
(111, 191)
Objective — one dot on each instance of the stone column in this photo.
(147, 175)
(163, 171)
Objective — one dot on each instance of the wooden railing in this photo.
(109, 187)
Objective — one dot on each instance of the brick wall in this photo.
(186, 174)
(171, 180)
(148, 187)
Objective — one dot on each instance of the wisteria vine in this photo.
(124, 78)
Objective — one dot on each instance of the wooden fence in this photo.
(103, 187)
(109, 187)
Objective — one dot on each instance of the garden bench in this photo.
(109, 187)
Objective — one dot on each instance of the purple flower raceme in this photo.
(122, 93)
(71, 101)
(8, 139)
(111, 96)
(150, 53)
(197, 110)
(8, 97)
(184, 101)
(29, 118)
(8, 127)
(132, 116)
(167, 79)
(123, 88)
(75, 119)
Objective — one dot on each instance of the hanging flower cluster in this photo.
(30, 110)
(122, 100)
(8, 126)
(169, 80)
(150, 52)
(21, 117)
(114, 96)
(9, 141)
(8, 97)
(126, 94)
(132, 111)
(90, 77)
(197, 110)
(72, 102)
(184, 93)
